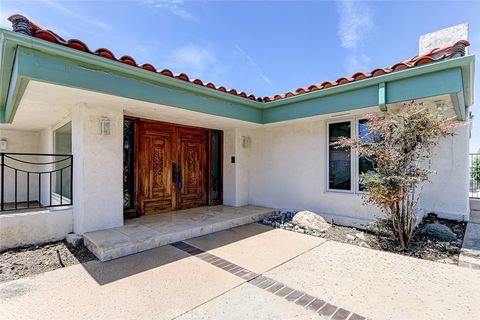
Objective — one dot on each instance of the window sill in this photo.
(358, 193)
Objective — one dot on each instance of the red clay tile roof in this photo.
(457, 49)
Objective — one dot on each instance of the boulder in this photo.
(310, 221)
(439, 232)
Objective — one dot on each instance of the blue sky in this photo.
(259, 47)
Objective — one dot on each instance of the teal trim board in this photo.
(25, 58)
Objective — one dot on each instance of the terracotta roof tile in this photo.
(457, 49)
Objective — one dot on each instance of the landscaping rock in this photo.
(311, 221)
(360, 236)
(350, 237)
(267, 222)
(74, 239)
(439, 232)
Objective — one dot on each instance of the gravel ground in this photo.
(30, 260)
(421, 245)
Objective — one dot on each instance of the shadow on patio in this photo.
(117, 269)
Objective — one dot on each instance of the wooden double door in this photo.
(172, 167)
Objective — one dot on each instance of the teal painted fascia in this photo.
(341, 102)
(7, 58)
(80, 57)
(52, 63)
(425, 85)
(37, 66)
(465, 63)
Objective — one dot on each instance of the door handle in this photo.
(174, 172)
(179, 176)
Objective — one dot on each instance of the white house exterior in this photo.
(272, 152)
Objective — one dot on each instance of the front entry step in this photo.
(149, 232)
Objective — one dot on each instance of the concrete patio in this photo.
(152, 231)
(247, 273)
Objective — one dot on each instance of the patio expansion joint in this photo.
(298, 297)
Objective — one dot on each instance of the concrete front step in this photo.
(474, 216)
(149, 232)
(470, 254)
(475, 210)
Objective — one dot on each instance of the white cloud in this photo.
(355, 22)
(174, 6)
(81, 17)
(255, 66)
(357, 62)
(193, 58)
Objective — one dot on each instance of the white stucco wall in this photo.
(34, 227)
(235, 175)
(98, 169)
(447, 192)
(287, 168)
(229, 169)
(25, 142)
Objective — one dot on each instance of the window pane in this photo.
(128, 163)
(340, 175)
(364, 164)
(216, 165)
(63, 145)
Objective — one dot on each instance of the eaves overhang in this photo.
(25, 58)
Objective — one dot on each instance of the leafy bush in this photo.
(401, 144)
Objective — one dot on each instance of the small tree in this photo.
(401, 146)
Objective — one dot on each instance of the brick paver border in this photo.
(298, 297)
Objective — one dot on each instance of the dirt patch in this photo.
(30, 260)
(421, 246)
(425, 247)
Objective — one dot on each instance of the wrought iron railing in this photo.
(34, 180)
(474, 175)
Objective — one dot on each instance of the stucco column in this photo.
(97, 169)
(235, 175)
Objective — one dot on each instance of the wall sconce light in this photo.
(105, 127)
(246, 142)
(3, 144)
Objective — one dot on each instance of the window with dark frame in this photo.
(341, 173)
(339, 159)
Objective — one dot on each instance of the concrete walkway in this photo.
(249, 272)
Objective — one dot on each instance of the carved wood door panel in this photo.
(157, 154)
(192, 158)
(172, 167)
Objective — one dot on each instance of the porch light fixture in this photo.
(105, 127)
(3, 144)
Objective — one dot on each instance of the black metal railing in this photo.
(35, 180)
(474, 175)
